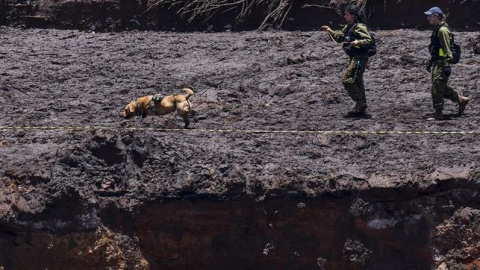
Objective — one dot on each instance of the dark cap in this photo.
(434, 10)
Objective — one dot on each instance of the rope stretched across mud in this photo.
(250, 131)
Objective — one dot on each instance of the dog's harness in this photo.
(152, 104)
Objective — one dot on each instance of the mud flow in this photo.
(271, 175)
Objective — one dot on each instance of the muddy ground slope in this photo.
(96, 187)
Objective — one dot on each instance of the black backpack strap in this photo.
(350, 31)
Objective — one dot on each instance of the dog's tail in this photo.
(189, 93)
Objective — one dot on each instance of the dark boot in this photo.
(362, 108)
(437, 116)
(462, 103)
(358, 110)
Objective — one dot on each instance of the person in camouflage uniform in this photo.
(440, 66)
(356, 40)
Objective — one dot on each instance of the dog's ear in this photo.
(129, 110)
(132, 108)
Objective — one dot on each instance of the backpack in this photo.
(456, 51)
(372, 50)
(454, 47)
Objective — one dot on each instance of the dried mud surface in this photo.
(246, 81)
(243, 81)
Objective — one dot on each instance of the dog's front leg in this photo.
(186, 120)
(194, 116)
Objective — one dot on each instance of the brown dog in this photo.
(161, 105)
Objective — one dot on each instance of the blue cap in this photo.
(434, 10)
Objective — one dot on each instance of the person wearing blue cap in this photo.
(439, 65)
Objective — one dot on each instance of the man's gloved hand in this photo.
(447, 70)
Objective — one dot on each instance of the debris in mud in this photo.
(304, 56)
(222, 15)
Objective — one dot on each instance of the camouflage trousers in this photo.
(353, 80)
(440, 89)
